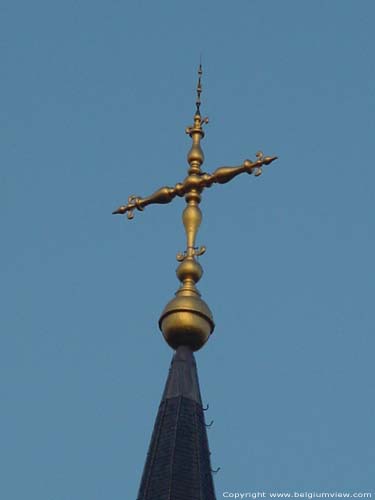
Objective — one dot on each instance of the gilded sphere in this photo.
(186, 320)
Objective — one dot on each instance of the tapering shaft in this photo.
(191, 218)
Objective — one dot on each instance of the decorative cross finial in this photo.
(187, 320)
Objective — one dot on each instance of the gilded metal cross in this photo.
(189, 270)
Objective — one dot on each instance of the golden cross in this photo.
(189, 271)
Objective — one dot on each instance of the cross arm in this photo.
(161, 196)
(196, 182)
(223, 175)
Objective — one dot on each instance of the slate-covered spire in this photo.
(178, 461)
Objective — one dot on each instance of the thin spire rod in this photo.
(199, 87)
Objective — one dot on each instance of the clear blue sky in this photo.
(95, 97)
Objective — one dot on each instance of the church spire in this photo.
(178, 462)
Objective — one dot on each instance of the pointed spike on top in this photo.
(199, 88)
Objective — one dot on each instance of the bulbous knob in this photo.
(186, 321)
(195, 154)
(189, 269)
